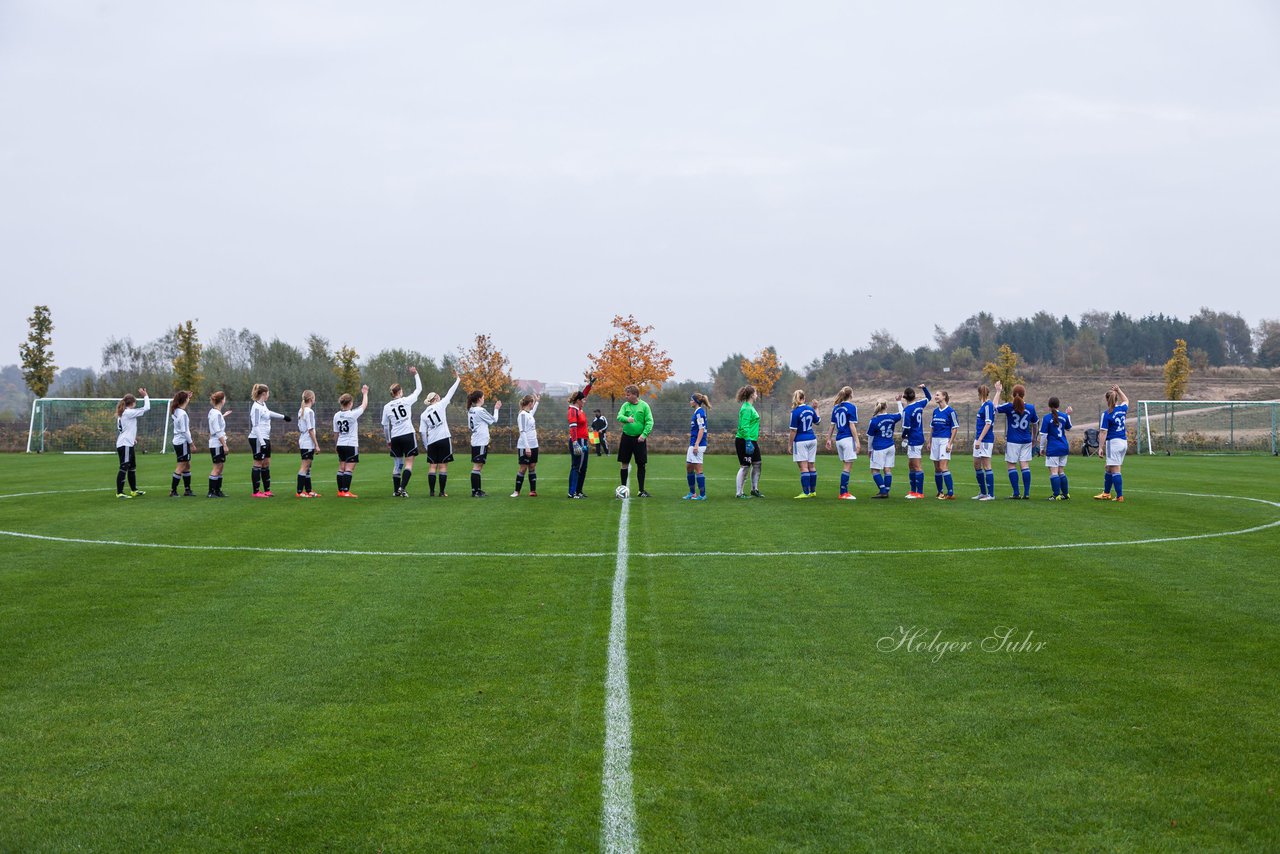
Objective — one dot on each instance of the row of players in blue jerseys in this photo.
(1025, 436)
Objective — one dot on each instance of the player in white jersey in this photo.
(437, 437)
(527, 445)
(126, 438)
(217, 442)
(308, 446)
(347, 429)
(181, 443)
(402, 441)
(479, 420)
(260, 418)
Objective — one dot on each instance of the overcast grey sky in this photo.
(735, 173)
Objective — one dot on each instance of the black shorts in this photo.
(479, 454)
(745, 459)
(440, 451)
(405, 445)
(630, 446)
(307, 453)
(128, 461)
(348, 454)
(527, 456)
(218, 454)
(183, 452)
(261, 449)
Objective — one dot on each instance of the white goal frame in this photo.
(36, 446)
(1147, 405)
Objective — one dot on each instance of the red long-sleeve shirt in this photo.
(578, 419)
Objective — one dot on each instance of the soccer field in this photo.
(407, 675)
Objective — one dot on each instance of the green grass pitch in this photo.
(385, 675)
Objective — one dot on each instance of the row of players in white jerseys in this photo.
(1021, 432)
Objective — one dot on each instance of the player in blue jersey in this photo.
(804, 444)
(1055, 448)
(1019, 437)
(913, 437)
(984, 436)
(944, 424)
(1115, 442)
(844, 429)
(697, 447)
(880, 437)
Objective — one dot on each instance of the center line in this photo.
(619, 805)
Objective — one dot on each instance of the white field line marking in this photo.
(54, 492)
(558, 555)
(618, 817)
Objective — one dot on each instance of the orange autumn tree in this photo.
(485, 368)
(629, 357)
(763, 371)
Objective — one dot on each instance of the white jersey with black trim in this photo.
(127, 424)
(397, 416)
(346, 428)
(306, 423)
(181, 427)
(217, 428)
(260, 418)
(528, 427)
(432, 424)
(479, 420)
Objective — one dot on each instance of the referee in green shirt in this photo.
(636, 419)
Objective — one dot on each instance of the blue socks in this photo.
(808, 482)
(879, 479)
(982, 481)
(950, 484)
(1062, 480)
(937, 479)
(1013, 480)
(991, 481)
(844, 482)
(693, 480)
(888, 482)
(702, 484)
(1118, 483)
(1054, 481)
(1106, 483)
(1026, 481)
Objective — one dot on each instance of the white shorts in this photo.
(982, 450)
(938, 450)
(1055, 462)
(915, 452)
(1116, 449)
(1017, 452)
(844, 447)
(695, 454)
(805, 451)
(883, 459)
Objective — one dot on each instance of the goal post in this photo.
(87, 425)
(1208, 426)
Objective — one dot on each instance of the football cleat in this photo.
(1102, 496)
(741, 495)
(136, 493)
(259, 494)
(642, 494)
(1120, 498)
(533, 494)
(1013, 497)
(688, 497)
(699, 498)
(755, 493)
(978, 497)
(848, 496)
(515, 495)
(881, 495)
(914, 495)
(266, 493)
(313, 495)
(946, 497)
(123, 495)
(986, 498)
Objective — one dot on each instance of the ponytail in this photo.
(258, 389)
(797, 398)
(126, 402)
(1054, 403)
(179, 398)
(881, 406)
(844, 394)
(1019, 399)
(744, 393)
(308, 396)
(701, 399)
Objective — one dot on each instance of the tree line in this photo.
(233, 360)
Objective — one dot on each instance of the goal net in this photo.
(87, 425)
(1208, 426)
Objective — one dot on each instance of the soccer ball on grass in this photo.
(622, 492)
